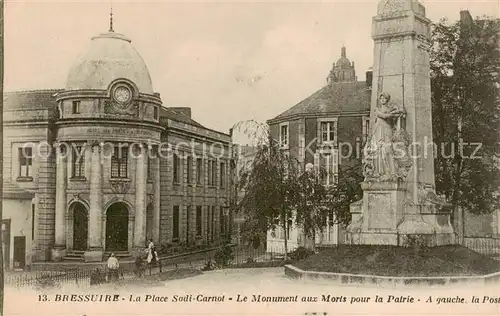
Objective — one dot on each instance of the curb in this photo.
(293, 272)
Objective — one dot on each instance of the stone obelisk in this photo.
(399, 198)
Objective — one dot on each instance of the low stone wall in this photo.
(387, 281)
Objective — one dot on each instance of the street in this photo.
(250, 292)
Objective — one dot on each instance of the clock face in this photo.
(122, 95)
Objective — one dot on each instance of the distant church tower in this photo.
(342, 71)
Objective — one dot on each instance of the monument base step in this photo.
(395, 239)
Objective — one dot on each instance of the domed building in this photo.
(321, 130)
(102, 166)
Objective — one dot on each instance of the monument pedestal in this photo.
(375, 218)
(385, 216)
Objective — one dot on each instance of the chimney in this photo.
(369, 78)
(465, 17)
(184, 110)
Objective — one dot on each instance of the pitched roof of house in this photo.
(34, 99)
(334, 98)
(178, 116)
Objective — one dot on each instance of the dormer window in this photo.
(284, 135)
(76, 107)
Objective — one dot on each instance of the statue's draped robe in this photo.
(380, 146)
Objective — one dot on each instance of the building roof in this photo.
(11, 191)
(34, 99)
(334, 98)
(178, 116)
(109, 56)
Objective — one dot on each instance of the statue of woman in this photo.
(380, 147)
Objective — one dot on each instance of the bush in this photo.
(300, 253)
(417, 242)
(224, 256)
(46, 282)
(209, 266)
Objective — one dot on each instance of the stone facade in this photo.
(96, 160)
(321, 130)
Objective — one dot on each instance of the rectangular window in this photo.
(76, 107)
(188, 223)
(119, 163)
(25, 162)
(149, 168)
(222, 175)
(212, 172)
(328, 167)
(175, 223)
(212, 224)
(207, 231)
(198, 221)
(199, 171)
(78, 162)
(331, 218)
(155, 113)
(284, 135)
(222, 222)
(328, 131)
(32, 221)
(189, 170)
(176, 165)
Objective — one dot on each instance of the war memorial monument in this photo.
(399, 196)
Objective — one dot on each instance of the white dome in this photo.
(110, 56)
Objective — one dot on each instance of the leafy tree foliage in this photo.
(466, 112)
(279, 193)
(348, 191)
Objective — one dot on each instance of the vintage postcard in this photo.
(250, 158)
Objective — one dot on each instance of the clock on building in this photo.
(122, 94)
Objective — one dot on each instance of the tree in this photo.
(278, 193)
(464, 62)
(340, 197)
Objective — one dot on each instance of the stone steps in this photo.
(77, 255)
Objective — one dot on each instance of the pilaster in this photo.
(59, 249)
(96, 213)
(140, 196)
(157, 197)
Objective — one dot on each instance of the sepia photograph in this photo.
(250, 157)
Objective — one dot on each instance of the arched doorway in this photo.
(80, 226)
(149, 222)
(117, 227)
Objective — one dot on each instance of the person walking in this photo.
(113, 266)
(152, 256)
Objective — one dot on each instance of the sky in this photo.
(228, 61)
